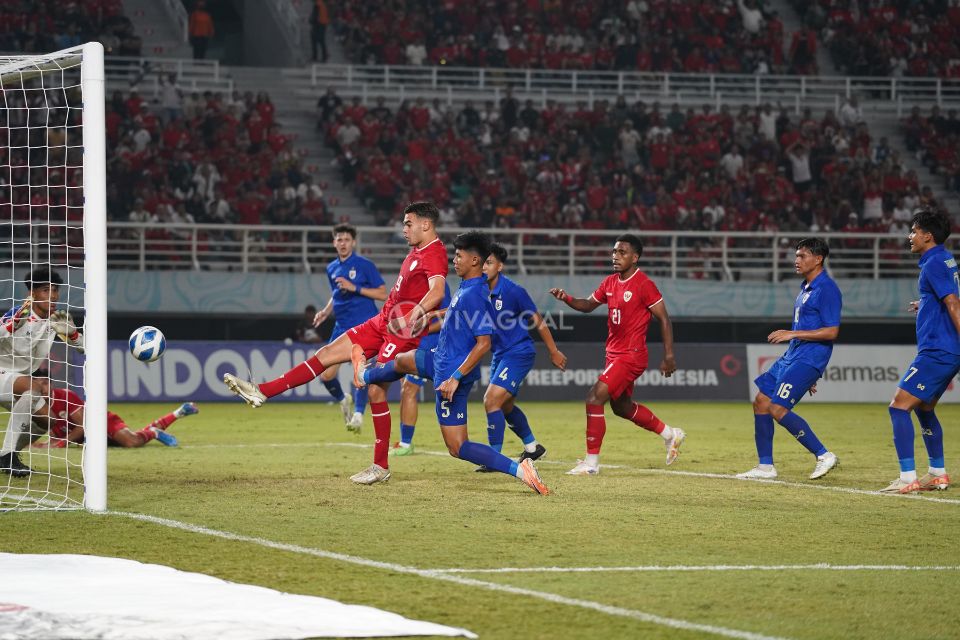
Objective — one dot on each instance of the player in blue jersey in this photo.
(465, 337)
(355, 284)
(938, 354)
(514, 314)
(816, 324)
(410, 389)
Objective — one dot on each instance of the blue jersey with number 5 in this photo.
(938, 279)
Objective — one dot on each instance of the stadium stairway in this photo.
(792, 23)
(300, 120)
(890, 128)
(157, 28)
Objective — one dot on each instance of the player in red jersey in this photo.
(67, 410)
(418, 290)
(631, 298)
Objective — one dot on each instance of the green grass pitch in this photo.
(280, 475)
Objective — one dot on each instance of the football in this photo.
(147, 344)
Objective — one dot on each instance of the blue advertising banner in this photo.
(193, 370)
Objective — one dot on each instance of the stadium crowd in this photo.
(888, 37)
(742, 36)
(42, 26)
(623, 165)
(936, 140)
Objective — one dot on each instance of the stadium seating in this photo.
(935, 139)
(887, 37)
(647, 35)
(41, 26)
(624, 165)
(215, 159)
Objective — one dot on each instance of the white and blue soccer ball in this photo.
(147, 344)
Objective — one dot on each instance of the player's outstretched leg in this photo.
(799, 429)
(481, 454)
(936, 478)
(641, 416)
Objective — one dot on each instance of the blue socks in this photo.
(482, 454)
(385, 373)
(360, 399)
(903, 438)
(519, 425)
(932, 437)
(406, 433)
(496, 425)
(763, 435)
(803, 433)
(334, 389)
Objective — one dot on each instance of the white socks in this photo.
(530, 448)
(908, 476)
(667, 433)
(18, 423)
(592, 459)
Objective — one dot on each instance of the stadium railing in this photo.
(710, 255)
(456, 84)
(144, 73)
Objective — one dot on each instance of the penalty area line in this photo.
(708, 568)
(641, 616)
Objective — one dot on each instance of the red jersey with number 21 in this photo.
(419, 267)
(628, 310)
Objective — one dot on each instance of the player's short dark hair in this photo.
(816, 246)
(426, 210)
(475, 242)
(41, 276)
(633, 241)
(344, 227)
(498, 251)
(933, 221)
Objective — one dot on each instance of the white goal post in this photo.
(53, 215)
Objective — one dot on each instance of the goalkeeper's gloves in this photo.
(62, 323)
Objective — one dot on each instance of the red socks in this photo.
(380, 412)
(596, 427)
(300, 374)
(147, 434)
(643, 417)
(164, 422)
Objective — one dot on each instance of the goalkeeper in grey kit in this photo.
(26, 334)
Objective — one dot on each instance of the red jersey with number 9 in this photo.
(419, 267)
(628, 310)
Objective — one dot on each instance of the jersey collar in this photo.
(628, 279)
(816, 281)
(498, 290)
(473, 282)
(931, 254)
(437, 239)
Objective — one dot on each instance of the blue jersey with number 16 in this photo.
(938, 279)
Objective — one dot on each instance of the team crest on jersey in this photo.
(498, 305)
(353, 274)
(413, 265)
(627, 295)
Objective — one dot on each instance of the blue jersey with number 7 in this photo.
(938, 279)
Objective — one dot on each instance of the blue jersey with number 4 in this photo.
(817, 306)
(938, 279)
(513, 311)
(350, 308)
(468, 317)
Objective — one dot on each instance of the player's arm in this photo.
(66, 329)
(659, 311)
(952, 303)
(323, 314)
(13, 320)
(823, 334)
(557, 357)
(75, 425)
(374, 293)
(435, 320)
(585, 305)
(480, 349)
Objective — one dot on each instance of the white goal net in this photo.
(52, 280)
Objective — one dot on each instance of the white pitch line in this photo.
(709, 568)
(669, 472)
(641, 616)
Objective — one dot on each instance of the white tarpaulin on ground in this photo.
(56, 597)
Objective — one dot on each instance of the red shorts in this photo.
(621, 370)
(372, 335)
(114, 424)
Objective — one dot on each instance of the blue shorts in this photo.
(453, 413)
(508, 370)
(337, 332)
(929, 375)
(785, 384)
(417, 380)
